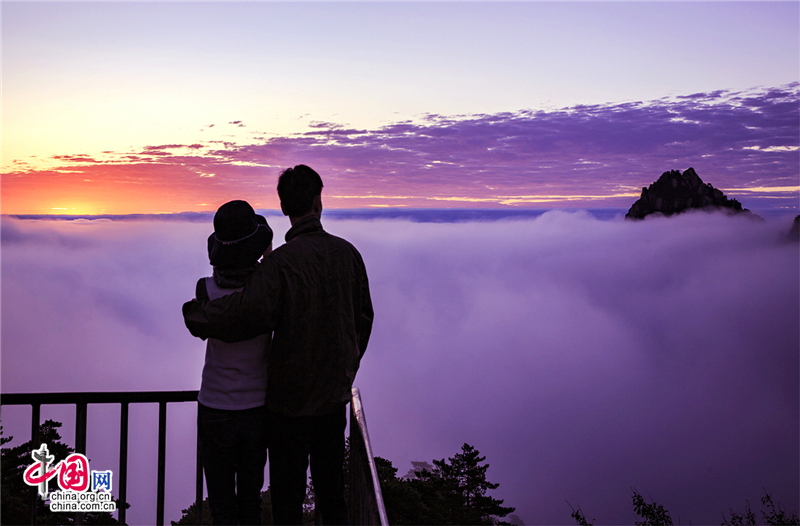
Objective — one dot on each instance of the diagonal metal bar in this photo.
(365, 487)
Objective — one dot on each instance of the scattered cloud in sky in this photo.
(581, 356)
(94, 76)
(589, 155)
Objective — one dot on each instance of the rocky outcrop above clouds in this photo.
(677, 192)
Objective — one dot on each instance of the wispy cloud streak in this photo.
(596, 154)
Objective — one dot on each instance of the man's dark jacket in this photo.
(313, 294)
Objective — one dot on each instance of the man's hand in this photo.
(195, 320)
(225, 318)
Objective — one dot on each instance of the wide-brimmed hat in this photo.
(240, 235)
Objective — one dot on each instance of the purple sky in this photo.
(90, 77)
(581, 356)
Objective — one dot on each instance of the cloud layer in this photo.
(600, 155)
(581, 356)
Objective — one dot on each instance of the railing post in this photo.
(123, 462)
(80, 428)
(80, 440)
(198, 494)
(35, 416)
(162, 449)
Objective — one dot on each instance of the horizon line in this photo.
(421, 214)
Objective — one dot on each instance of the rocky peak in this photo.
(676, 192)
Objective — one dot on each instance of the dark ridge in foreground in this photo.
(677, 192)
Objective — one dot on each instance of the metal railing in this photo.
(366, 499)
(81, 401)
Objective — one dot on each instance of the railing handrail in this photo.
(107, 397)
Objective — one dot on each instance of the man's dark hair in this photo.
(297, 188)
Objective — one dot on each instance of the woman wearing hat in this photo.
(230, 419)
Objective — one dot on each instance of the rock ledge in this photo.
(676, 192)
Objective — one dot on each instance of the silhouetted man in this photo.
(313, 294)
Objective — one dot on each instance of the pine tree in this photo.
(403, 500)
(462, 485)
(16, 495)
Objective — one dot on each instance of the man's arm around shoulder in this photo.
(235, 317)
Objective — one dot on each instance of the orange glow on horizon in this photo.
(147, 188)
(114, 199)
(114, 190)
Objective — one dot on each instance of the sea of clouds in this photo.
(581, 356)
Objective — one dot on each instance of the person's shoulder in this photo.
(201, 289)
(310, 242)
(348, 250)
(340, 241)
(279, 257)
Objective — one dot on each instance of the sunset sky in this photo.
(581, 353)
(117, 108)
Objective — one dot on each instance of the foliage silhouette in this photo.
(453, 492)
(463, 484)
(654, 514)
(579, 517)
(16, 495)
(775, 517)
(189, 516)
